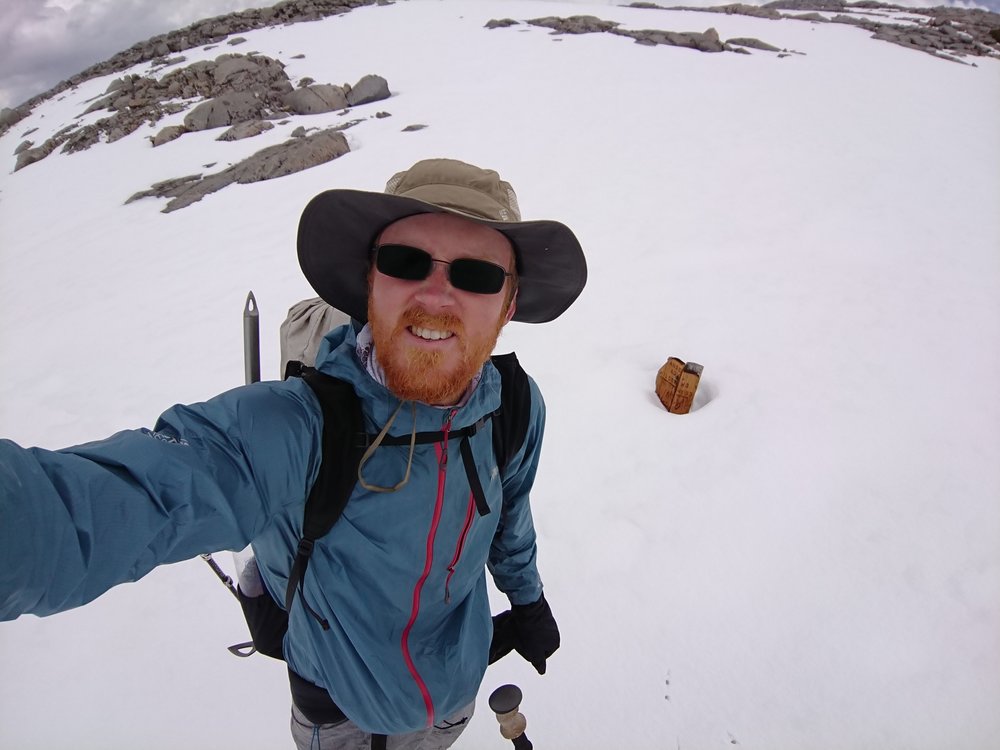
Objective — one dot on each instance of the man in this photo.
(390, 630)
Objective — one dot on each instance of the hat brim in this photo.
(338, 229)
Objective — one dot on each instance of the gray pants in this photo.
(348, 736)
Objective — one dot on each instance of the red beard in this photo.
(415, 374)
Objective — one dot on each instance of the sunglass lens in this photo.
(477, 276)
(403, 262)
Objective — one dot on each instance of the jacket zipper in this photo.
(470, 514)
(442, 453)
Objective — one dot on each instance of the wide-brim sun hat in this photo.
(338, 230)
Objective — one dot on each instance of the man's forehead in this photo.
(432, 228)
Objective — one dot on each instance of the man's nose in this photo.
(437, 286)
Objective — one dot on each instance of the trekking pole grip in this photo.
(505, 702)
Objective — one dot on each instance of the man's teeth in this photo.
(430, 334)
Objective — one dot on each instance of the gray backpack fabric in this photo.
(307, 322)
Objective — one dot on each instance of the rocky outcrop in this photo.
(236, 89)
(574, 24)
(199, 34)
(706, 41)
(947, 32)
(950, 33)
(312, 98)
(275, 161)
(500, 23)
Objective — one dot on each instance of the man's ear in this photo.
(511, 309)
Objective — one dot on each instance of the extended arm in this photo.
(209, 476)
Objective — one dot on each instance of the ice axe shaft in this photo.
(226, 580)
(251, 364)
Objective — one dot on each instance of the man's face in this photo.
(432, 338)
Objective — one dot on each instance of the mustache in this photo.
(415, 316)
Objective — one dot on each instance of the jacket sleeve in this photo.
(512, 559)
(209, 476)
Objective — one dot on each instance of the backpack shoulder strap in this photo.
(341, 453)
(510, 425)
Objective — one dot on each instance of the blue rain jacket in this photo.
(400, 578)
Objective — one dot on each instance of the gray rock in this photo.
(236, 40)
(234, 71)
(227, 109)
(25, 145)
(292, 156)
(267, 164)
(500, 23)
(753, 44)
(31, 155)
(10, 117)
(370, 88)
(167, 134)
(574, 24)
(315, 99)
(103, 103)
(413, 128)
(242, 130)
(707, 41)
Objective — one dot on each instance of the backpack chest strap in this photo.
(424, 438)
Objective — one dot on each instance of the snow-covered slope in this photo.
(808, 560)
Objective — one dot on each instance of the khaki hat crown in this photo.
(458, 187)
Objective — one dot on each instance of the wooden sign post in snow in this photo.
(676, 384)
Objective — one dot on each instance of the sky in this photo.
(807, 560)
(43, 42)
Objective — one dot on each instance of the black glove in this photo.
(529, 629)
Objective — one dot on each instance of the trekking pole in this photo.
(505, 702)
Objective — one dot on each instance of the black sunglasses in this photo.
(413, 264)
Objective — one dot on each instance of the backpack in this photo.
(344, 442)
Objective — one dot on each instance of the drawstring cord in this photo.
(370, 451)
